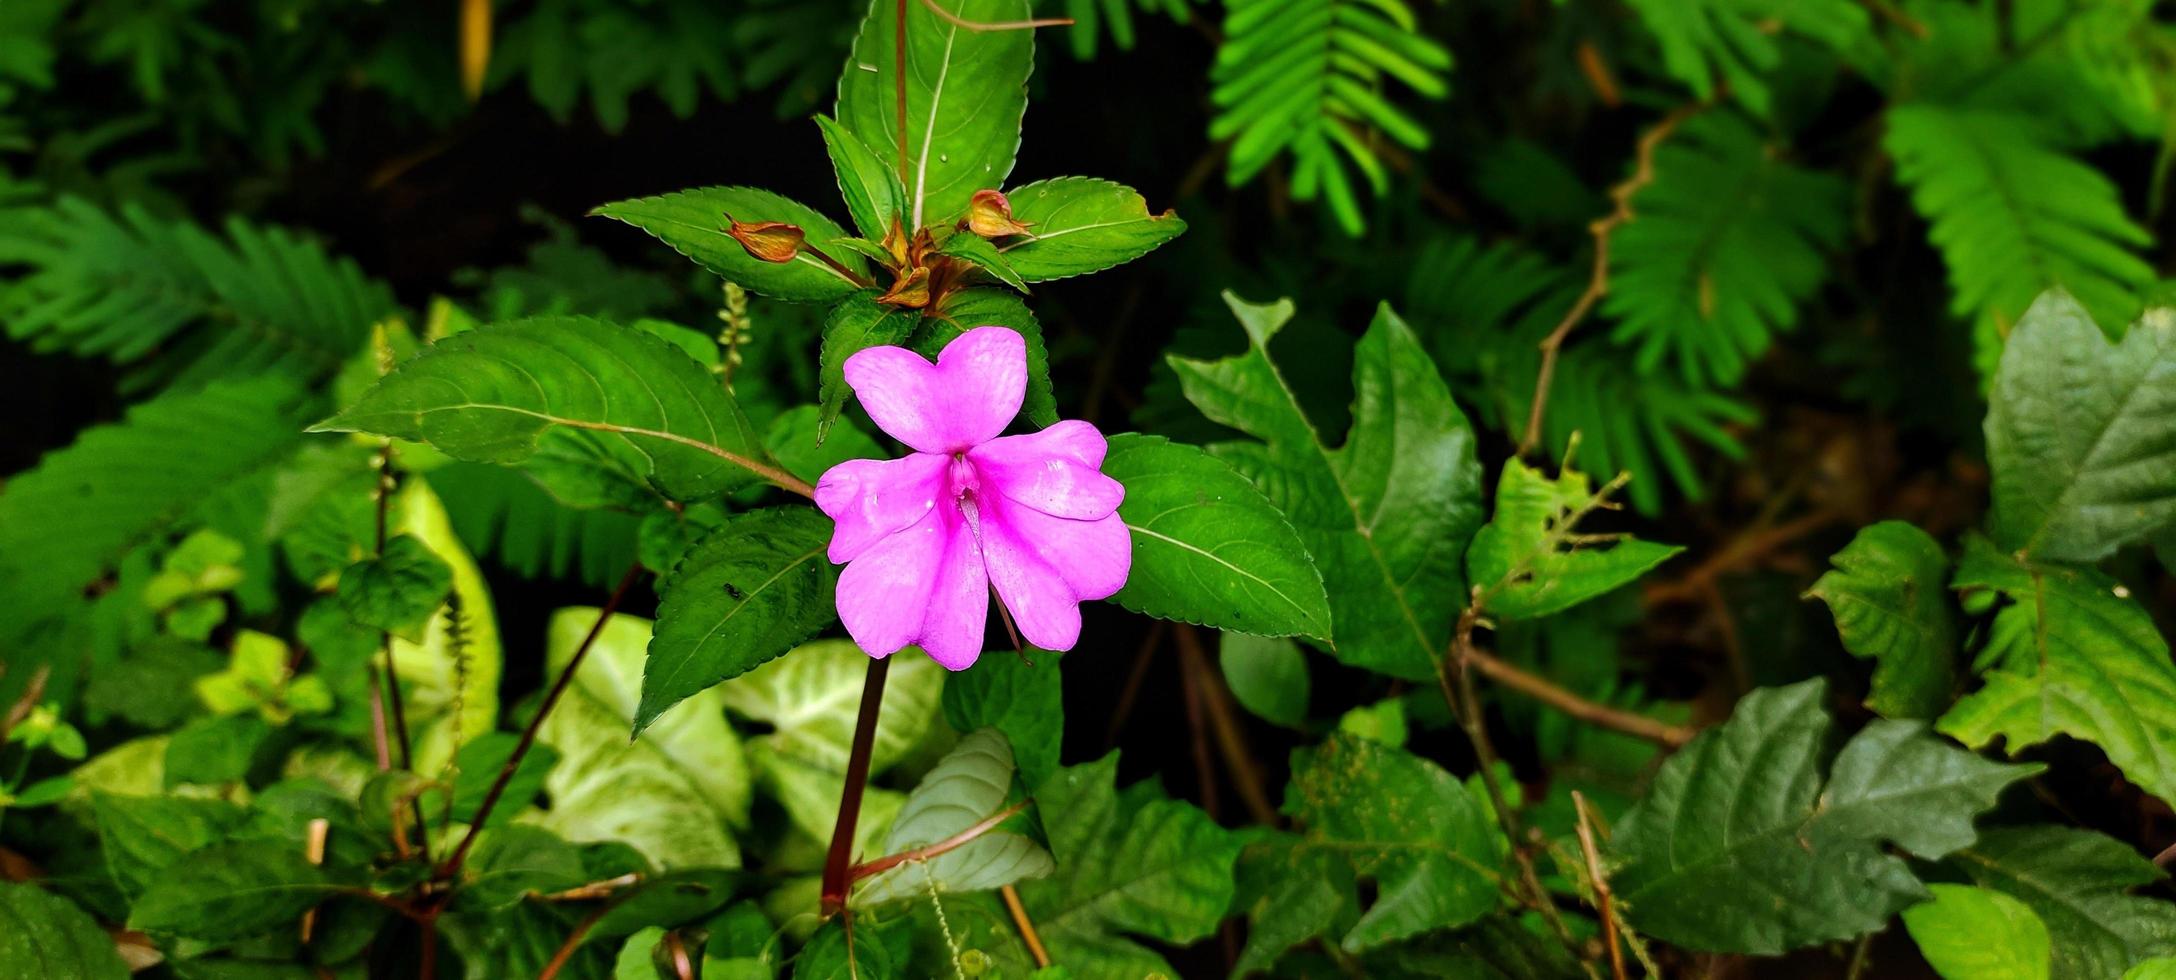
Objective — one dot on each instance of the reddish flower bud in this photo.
(989, 214)
(770, 241)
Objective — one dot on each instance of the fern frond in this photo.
(614, 51)
(1483, 310)
(1710, 44)
(1308, 78)
(499, 511)
(1090, 18)
(184, 305)
(1724, 244)
(64, 523)
(2014, 216)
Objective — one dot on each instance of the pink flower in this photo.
(926, 537)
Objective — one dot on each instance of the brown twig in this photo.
(1604, 900)
(1230, 738)
(838, 863)
(452, 865)
(1197, 727)
(1026, 926)
(1643, 173)
(1127, 695)
(1747, 548)
(566, 949)
(1001, 25)
(26, 702)
(961, 839)
(594, 890)
(1594, 713)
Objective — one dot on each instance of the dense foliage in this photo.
(1615, 487)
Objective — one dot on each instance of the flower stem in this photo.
(839, 863)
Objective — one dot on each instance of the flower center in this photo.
(965, 484)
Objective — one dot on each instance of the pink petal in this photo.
(871, 498)
(1053, 471)
(1043, 566)
(924, 584)
(967, 397)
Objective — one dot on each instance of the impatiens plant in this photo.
(1711, 518)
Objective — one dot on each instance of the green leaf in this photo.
(1267, 675)
(1531, 561)
(45, 935)
(518, 860)
(142, 836)
(2071, 655)
(1732, 46)
(1744, 810)
(2078, 883)
(745, 594)
(1386, 514)
(793, 440)
(2158, 968)
(478, 765)
(1078, 225)
(1023, 700)
(966, 91)
(397, 591)
(829, 956)
(1208, 548)
(870, 185)
(856, 324)
(970, 785)
(966, 309)
(1399, 821)
(977, 250)
(1887, 594)
(675, 793)
(1128, 862)
(1969, 933)
(808, 697)
(230, 891)
(2078, 433)
(490, 394)
(694, 223)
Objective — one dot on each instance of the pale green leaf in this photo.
(1078, 225)
(1532, 561)
(972, 784)
(2079, 433)
(694, 223)
(1387, 514)
(1969, 933)
(745, 594)
(1208, 548)
(2078, 883)
(1889, 596)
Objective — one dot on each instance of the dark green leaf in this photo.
(142, 836)
(230, 891)
(490, 394)
(870, 185)
(1891, 605)
(1021, 699)
(1208, 548)
(45, 935)
(1268, 675)
(986, 306)
(1078, 225)
(478, 765)
(973, 248)
(211, 751)
(2078, 883)
(694, 223)
(747, 593)
(2079, 433)
(518, 860)
(397, 591)
(1387, 514)
(856, 324)
(793, 440)
(1744, 810)
(828, 955)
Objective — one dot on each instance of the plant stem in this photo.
(1593, 713)
(899, 90)
(452, 865)
(1604, 899)
(1231, 740)
(1026, 925)
(384, 462)
(961, 839)
(838, 864)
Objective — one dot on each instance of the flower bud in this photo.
(770, 241)
(989, 214)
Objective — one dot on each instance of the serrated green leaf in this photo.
(488, 395)
(2078, 883)
(515, 861)
(1267, 675)
(1128, 863)
(675, 793)
(1386, 514)
(856, 324)
(807, 446)
(398, 590)
(2071, 655)
(1402, 822)
(870, 184)
(745, 594)
(230, 891)
(1891, 606)
(142, 836)
(1023, 700)
(966, 91)
(1530, 561)
(694, 223)
(977, 250)
(1078, 225)
(966, 309)
(1971, 933)
(970, 785)
(45, 935)
(2079, 433)
(1208, 548)
(1744, 810)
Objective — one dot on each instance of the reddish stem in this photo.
(838, 864)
